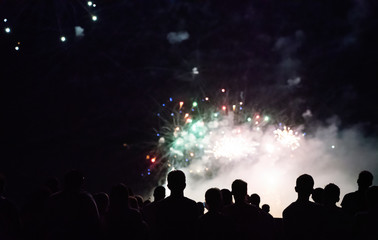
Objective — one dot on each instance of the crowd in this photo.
(72, 213)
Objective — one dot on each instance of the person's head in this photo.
(365, 180)
(226, 196)
(265, 208)
(102, 202)
(304, 186)
(176, 181)
(73, 180)
(331, 194)
(239, 190)
(213, 198)
(119, 196)
(159, 193)
(254, 199)
(318, 195)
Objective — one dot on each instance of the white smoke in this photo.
(329, 155)
(177, 37)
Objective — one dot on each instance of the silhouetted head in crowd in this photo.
(365, 180)
(2, 184)
(239, 190)
(176, 182)
(133, 202)
(318, 195)
(372, 197)
(226, 197)
(265, 208)
(304, 186)
(102, 202)
(119, 197)
(254, 199)
(213, 198)
(52, 184)
(73, 180)
(159, 193)
(331, 194)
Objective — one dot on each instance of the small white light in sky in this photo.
(7, 30)
(90, 3)
(5, 20)
(63, 38)
(94, 18)
(195, 71)
(333, 146)
(17, 48)
(94, 5)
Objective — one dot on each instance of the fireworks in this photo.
(209, 136)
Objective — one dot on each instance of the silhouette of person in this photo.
(226, 197)
(149, 211)
(72, 213)
(302, 219)
(9, 220)
(356, 201)
(245, 217)
(265, 208)
(366, 222)
(318, 195)
(176, 214)
(337, 223)
(269, 230)
(214, 225)
(121, 221)
(254, 199)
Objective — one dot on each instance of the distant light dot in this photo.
(195, 71)
(333, 146)
(195, 104)
(186, 160)
(158, 134)
(90, 3)
(94, 18)
(240, 108)
(63, 38)
(158, 114)
(224, 108)
(170, 99)
(94, 5)
(249, 119)
(7, 30)
(241, 103)
(223, 90)
(149, 173)
(17, 48)
(163, 104)
(206, 98)
(266, 118)
(256, 122)
(142, 174)
(192, 109)
(172, 114)
(5, 20)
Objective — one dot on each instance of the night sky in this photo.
(74, 104)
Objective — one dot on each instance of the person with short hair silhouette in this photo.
(269, 230)
(72, 213)
(226, 197)
(121, 221)
(9, 219)
(254, 199)
(318, 195)
(245, 217)
(214, 225)
(302, 219)
(337, 223)
(356, 201)
(149, 211)
(176, 214)
(366, 222)
(265, 208)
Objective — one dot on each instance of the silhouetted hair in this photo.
(119, 195)
(226, 196)
(318, 195)
(331, 193)
(254, 199)
(176, 180)
(365, 179)
(239, 188)
(265, 208)
(304, 184)
(73, 179)
(159, 193)
(213, 198)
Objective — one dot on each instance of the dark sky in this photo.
(74, 104)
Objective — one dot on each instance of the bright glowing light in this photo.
(7, 30)
(17, 48)
(224, 108)
(181, 104)
(233, 107)
(266, 118)
(206, 98)
(94, 18)
(153, 160)
(90, 3)
(147, 157)
(241, 103)
(94, 5)
(333, 146)
(195, 104)
(195, 71)
(63, 39)
(287, 138)
(223, 90)
(5, 20)
(249, 119)
(257, 116)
